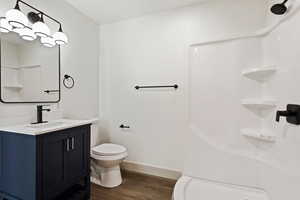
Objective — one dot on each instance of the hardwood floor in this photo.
(136, 187)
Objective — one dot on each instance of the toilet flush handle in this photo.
(123, 126)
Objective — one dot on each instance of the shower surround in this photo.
(241, 83)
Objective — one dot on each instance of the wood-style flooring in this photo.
(136, 186)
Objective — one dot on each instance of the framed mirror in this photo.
(29, 71)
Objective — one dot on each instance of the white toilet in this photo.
(106, 160)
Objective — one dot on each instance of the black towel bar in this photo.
(158, 86)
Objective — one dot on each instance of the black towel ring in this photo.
(68, 81)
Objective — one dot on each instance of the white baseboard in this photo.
(151, 170)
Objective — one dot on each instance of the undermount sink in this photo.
(45, 125)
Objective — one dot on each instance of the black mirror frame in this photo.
(32, 102)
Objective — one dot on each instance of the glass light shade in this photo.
(41, 29)
(27, 34)
(16, 18)
(60, 38)
(48, 41)
(17, 30)
(5, 27)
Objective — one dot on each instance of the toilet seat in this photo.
(108, 150)
(109, 158)
(189, 188)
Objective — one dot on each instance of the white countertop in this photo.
(51, 126)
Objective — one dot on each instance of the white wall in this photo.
(155, 50)
(79, 59)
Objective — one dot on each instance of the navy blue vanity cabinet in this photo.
(51, 166)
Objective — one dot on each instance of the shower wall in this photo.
(217, 83)
(216, 114)
(281, 49)
(217, 89)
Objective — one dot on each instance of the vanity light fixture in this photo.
(17, 22)
(17, 30)
(48, 41)
(27, 34)
(16, 18)
(40, 28)
(60, 37)
(5, 27)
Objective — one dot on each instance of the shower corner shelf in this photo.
(22, 67)
(259, 74)
(259, 103)
(262, 135)
(16, 86)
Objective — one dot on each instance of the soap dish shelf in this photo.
(259, 103)
(17, 86)
(259, 74)
(262, 135)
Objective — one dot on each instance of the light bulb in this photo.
(48, 41)
(5, 27)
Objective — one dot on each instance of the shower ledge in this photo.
(14, 86)
(259, 74)
(259, 103)
(263, 135)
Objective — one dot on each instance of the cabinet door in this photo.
(54, 150)
(78, 155)
(18, 166)
(1, 160)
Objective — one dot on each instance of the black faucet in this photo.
(284, 114)
(292, 114)
(39, 116)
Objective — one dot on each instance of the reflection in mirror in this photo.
(29, 70)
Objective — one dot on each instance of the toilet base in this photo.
(108, 177)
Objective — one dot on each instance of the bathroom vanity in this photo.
(45, 162)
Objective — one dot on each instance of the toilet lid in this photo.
(108, 149)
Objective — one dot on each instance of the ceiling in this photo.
(106, 11)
